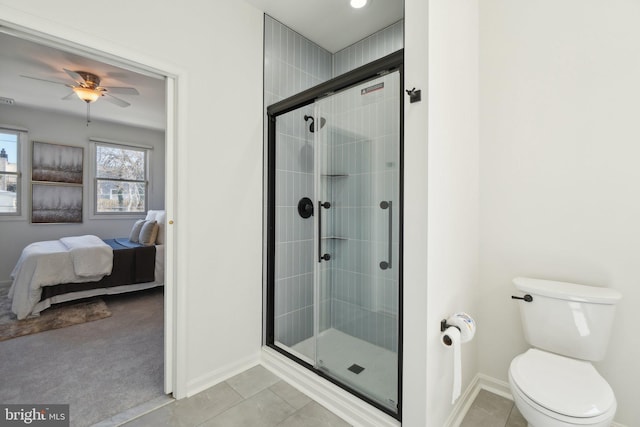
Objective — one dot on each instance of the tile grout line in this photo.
(295, 411)
(509, 417)
(244, 399)
(229, 408)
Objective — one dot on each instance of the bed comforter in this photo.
(68, 260)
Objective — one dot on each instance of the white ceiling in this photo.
(333, 24)
(22, 57)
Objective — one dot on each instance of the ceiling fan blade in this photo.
(71, 95)
(117, 101)
(45, 80)
(122, 90)
(75, 76)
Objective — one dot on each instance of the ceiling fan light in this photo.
(357, 4)
(86, 94)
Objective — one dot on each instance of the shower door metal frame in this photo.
(390, 63)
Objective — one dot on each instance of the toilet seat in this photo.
(564, 388)
(536, 415)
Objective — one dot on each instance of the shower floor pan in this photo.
(339, 352)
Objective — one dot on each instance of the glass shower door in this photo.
(333, 260)
(357, 184)
(293, 239)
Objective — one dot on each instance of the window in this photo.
(10, 168)
(121, 178)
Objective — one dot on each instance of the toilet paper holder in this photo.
(444, 325)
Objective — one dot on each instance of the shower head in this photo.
(306, 119)
(312, 126)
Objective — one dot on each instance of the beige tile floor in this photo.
(491, 410)
(258, 398)
(255, 397)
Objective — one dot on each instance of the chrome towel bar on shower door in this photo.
(387, 264)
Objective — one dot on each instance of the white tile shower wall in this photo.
(377, 45)
(292, 64)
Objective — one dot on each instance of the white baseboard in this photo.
(479, 382)
(494, 385)
(353, 410)
(482, 382)
(202, 383)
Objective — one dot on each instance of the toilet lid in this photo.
(566, 386)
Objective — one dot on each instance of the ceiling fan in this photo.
(88, 89)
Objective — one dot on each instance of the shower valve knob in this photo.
(305, 207)
(326, 257)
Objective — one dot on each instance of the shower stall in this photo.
(334, 235)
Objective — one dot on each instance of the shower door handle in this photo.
(321, 256)
(387, 264)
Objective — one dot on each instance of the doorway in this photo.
(171, 124)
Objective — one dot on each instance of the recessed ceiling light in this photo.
(357, 4)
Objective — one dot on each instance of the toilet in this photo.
(554, 383)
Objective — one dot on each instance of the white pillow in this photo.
(134, 236)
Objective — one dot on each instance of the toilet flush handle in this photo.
(527, 297)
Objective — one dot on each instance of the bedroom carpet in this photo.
(58, 316)
(99, 368)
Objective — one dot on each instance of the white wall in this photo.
(46, 126)
(560, 181)
(218, 45)
(414, 345)
(441, 199)
(217, 48)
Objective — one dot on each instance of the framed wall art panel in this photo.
(56, 203)
(57, 163)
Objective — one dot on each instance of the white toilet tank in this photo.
(566, 318)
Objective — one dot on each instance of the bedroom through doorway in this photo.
(126, 358)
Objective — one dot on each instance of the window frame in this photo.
(21, 156)
(146, 149)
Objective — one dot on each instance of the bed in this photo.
(77, 267)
